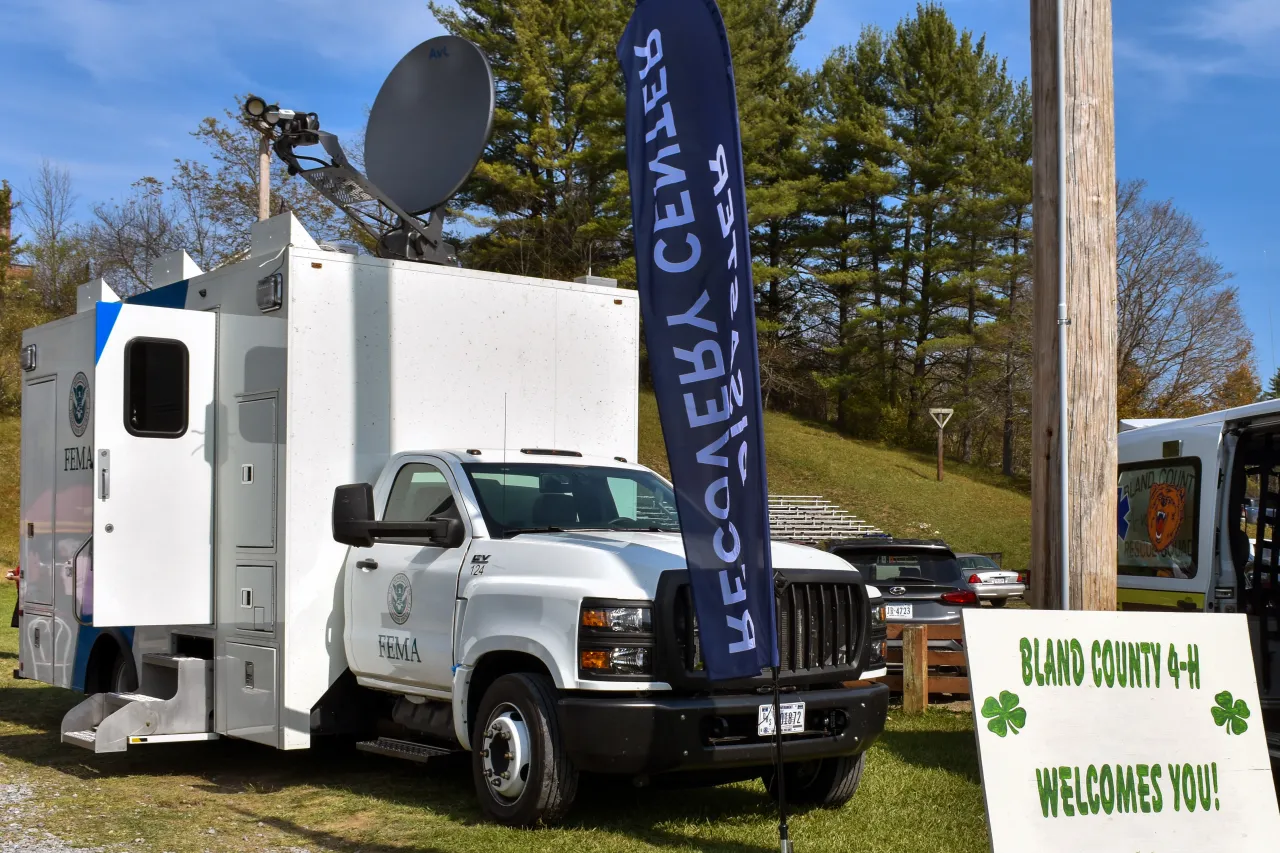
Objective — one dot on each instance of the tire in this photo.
(827, 782)
(999, 602)
(122, 678)
(550, 781)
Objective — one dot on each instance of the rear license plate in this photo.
(897, 611)
(792, 719)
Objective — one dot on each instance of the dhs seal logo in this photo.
(78, 404)
(400, 599)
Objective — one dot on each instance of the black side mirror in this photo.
(451, 532)
(354, 524)
(353, 515)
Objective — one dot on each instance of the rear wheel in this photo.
(522, 772)
(830, 782)
(999, 602)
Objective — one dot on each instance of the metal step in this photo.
(174, 702)
(406, 749)
(87, 739)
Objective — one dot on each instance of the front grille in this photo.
(818, 626)
(821, 630)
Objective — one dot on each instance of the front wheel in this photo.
(523, 775)
(829, 782)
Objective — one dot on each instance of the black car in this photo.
(921, 580)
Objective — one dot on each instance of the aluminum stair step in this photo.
(87, 739)
(405, 749)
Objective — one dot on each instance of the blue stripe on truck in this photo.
(104, 321)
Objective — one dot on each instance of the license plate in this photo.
(897, 611)
(792, 719)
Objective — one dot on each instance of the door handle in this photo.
(366, 564)
(104, 474)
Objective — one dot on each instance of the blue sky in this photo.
(110, 90)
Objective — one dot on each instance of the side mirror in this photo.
(354, 524)
(353, 515)
(451, 532)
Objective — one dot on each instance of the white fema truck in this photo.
(501, 578)
(1197, 530)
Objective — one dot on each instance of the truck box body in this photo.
(217, 500)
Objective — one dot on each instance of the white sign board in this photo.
(1120, 732)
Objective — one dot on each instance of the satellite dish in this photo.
(430, 123)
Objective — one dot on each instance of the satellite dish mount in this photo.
(413, 167)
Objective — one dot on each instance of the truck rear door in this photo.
(154, 458)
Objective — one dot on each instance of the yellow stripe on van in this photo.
(1158, 599)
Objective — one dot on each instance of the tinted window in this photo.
(979, 563)
(420, 492)
(571, 497)
(880, 567)
(1159, 515)
(155, 387)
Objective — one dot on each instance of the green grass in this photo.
(972, 509)
(920, 793)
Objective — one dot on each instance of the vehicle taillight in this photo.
(1022, 577)
(963, 597)
(974, 579)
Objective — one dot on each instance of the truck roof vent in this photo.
(541, 451)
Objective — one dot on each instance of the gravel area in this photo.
(15, 838)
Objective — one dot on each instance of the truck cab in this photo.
(542, 619)
(1197, 505)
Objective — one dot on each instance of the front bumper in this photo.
(999, 590)
(652, 734)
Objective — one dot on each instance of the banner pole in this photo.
(780, 778)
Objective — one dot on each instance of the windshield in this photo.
(980, 563)
(528, 497)
(926, 567)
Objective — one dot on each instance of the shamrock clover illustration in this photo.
(1231, 716)
(1004, 715)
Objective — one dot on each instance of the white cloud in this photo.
(136, 40)
(1251, 24)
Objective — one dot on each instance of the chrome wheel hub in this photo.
(505, 752)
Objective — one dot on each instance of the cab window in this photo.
(1159, 518)
(420, 492)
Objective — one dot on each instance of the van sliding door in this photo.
(153, 471)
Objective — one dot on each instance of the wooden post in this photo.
(939, 454)
(915, 669)
(264, 178)
(1089, 211)
(940, 417)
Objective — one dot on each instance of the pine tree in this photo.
(550, 192)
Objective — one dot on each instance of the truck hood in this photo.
(613, 559)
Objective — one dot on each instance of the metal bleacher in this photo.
(811, 519)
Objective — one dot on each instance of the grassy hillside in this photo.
(897, 491)
(894, 490)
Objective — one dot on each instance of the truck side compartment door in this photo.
(402, 593)
(153, 472)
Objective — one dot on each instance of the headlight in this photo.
(615, 639)
(620, 620)
(877, 615)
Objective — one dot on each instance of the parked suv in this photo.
(921, 580)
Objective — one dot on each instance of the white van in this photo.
(1197, 501)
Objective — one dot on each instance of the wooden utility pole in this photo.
(264, 178)
(1089, 211)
